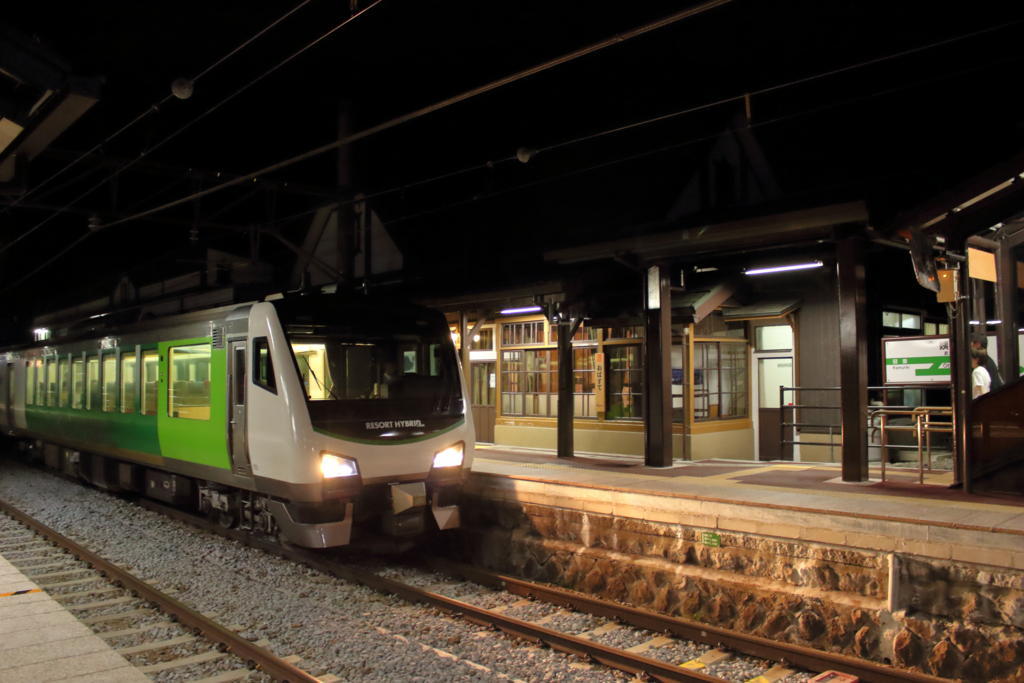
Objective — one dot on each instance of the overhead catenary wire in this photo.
(437, 106)
(543, 67)
(492, 163)
(494, 84)
(142, 155)
(153, 108)
(574, 172)
(391, 123)
(784, 118)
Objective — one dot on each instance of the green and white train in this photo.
(302, 417)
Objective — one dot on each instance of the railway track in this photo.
(162, 637)
(712, 648)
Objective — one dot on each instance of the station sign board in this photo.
(916, 360)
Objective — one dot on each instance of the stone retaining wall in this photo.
(952, 620)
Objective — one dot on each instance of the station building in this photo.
(736, 338)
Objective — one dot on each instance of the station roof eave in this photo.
(761, 310)
(763, 231)
(490, 301)
(987, 198)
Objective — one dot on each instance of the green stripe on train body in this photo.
(96, 429)
(125, 431)
(203, 442)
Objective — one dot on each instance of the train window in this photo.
(409, 361)
(30, 383)
(109, 383)
(40, 383)
(263, 366)
(189, 385)
(51, 382)
(64, 373)
(150, 375)
(313, 369)
(92, 380)
(128, 382)
(77, 383)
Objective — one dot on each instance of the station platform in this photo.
(789, 500)
(40, 640)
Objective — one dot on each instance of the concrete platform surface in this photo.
(799, 501)
(41, 641)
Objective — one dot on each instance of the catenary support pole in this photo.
(853, 369)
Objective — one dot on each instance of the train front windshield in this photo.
(377, 385)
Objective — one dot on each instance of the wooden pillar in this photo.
(657, 368)
(566, 407)
(1006, 310)
(853, 362)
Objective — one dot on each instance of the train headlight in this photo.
(449, 457)
(332, 466)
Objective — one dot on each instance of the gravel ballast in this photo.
(334, 626)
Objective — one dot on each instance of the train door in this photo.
(8, 393)
(482, 388)
(236, 408)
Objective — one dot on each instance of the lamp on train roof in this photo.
(782, 269)
(521, 309)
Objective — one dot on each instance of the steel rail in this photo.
(581, 647)
(755, 646)
(765, 648)
(575, 645)
(269, 663)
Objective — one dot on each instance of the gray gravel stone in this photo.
(336, 627)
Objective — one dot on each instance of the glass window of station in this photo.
(710, 371)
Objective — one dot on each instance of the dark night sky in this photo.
(893, 133)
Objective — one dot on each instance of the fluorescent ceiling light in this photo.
(521, 309)
(781, 269)
(993, 322)
(974, 322)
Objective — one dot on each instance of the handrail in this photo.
(925, 421)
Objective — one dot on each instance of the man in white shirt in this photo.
(981, 381)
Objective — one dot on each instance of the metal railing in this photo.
(923, 425)
(783, 407)
(924, 422)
